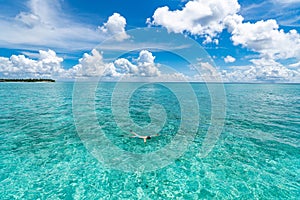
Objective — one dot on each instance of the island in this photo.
(27, 80)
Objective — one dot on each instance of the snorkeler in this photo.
(142, 137)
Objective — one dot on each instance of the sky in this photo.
(169, 40)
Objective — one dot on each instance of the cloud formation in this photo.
(208, 18)
(264, 37)
(273, 45)
(47, 65)
(262, 70)
(115, 27)
(46, 25)
(229, 59)
(91, 65)
(197, 17)
(143, 66)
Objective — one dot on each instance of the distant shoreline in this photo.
(27, 80)
(175, 82)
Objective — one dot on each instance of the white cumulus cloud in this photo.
(126, 67)
(115, 26)
(207, 18)
(198, 17)
(48, 64)
(229, 59)
(262, 70)
(146, 64)
(92, 65)
(264, 37)
(143, 66)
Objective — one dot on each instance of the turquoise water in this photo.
(257, 155)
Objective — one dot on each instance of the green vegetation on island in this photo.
(27, 80)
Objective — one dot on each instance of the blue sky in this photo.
(248, 41)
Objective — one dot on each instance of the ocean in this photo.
(62, 141)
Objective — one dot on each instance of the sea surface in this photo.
(43, 155)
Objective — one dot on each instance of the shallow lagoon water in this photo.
(257, 155)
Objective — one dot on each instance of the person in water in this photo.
(143, 137)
